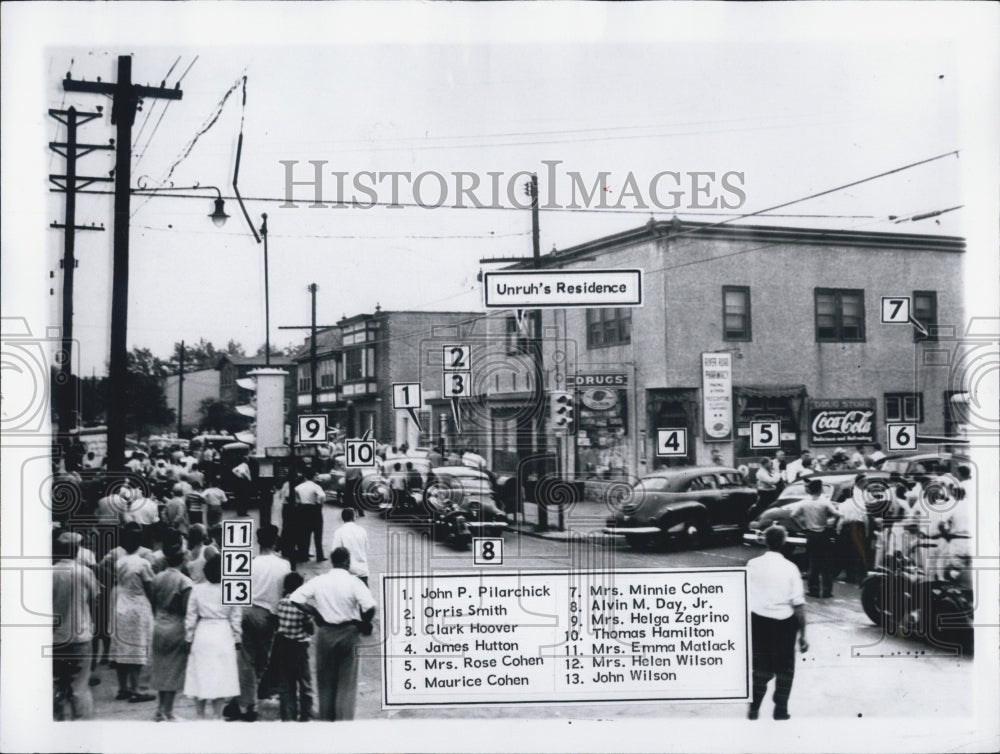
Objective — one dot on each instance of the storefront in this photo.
(603, 442)
(675, 408)
(843, 422)
(783, 403)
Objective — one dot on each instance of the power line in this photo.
(332, 237)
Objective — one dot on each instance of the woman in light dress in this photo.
(133, 626)
(214, 632)
(170, 591)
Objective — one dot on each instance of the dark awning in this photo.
(770, 391)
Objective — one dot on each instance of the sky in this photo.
(792, 114)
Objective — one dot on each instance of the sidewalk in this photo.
(578, 519)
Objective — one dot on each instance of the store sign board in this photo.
(842, 421)
(717, 396)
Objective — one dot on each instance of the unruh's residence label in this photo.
(541, 289)
(551, 637)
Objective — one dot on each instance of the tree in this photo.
(202, 355)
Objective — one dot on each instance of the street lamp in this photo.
(218, 214)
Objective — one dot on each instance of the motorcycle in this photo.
(906, 601)
(451, 527)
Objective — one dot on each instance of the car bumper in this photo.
(757, 538)
(625, 531)
(487, 524)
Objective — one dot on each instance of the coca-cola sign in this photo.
(842, 421)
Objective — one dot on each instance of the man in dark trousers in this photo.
(343, 608)
(777, 614)
(309, 499)
(818, 517)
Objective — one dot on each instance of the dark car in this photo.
(911, 464)
(685, 503)
(455, 487)
(837, 485)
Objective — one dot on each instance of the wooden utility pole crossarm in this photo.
(125, 97)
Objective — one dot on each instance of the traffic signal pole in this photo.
(537, 356)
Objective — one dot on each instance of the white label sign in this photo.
(671, 442)
(457, 384)
(901, 436)
(717, 395)
(457, 358)
(534, 289)
(406, 395)
(312, 428)
(895, 310)
(359, 453)
(764, 435)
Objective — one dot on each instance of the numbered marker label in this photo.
(359, 453)
(406, 395)
(457, 384)
(457, 358)
(765, 435)
(236, 592)
(236, 563)
(237, 534)
(895, 310)
(901, 436)
(671, 442)
(487, 550)
(312, 428)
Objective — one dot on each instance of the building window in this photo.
(326, 372)
(516, 340)
(925, 312)
(305, 379)
(904, 407)
(735, 312)
(840, 315)
(608, 327)
(354, 365)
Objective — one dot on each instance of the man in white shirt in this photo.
(768, 477)
(355, 540)
(799, 467)
(309, 499)
(343, 608)
(777, 614)
(260, 619)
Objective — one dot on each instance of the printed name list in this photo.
(561, 637)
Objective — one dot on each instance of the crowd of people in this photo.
(137, 586)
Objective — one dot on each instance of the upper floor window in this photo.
(902, 407)
(735, 312)
(608, 327)
(840, 315)
(925, 312)
(326, 373)
(359, 363)
(305, 378)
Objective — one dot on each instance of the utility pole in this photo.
(70, 183)
(180, 393)
(267, 297)
(536, 350)
(312, 327)
(126, 98)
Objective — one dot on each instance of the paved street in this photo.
(850, 670)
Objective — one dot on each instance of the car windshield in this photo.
(898, 465)
(798, 489)
(729, 480)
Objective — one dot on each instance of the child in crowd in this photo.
(290, 656)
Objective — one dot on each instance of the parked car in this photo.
(334, 480)
(688, 504)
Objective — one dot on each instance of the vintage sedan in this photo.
(912, 464)
(449, 489)
(687, 504)
(837, 485)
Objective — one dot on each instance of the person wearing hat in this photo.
(74, 596)
(170, 590)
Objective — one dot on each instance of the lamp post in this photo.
(218, 214)
(267, 297)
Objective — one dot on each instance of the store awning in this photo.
(770, 391)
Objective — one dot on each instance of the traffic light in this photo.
(562, 407)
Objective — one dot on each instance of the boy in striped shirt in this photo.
(290, 655)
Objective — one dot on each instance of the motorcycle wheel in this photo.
(960, 634)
